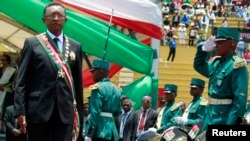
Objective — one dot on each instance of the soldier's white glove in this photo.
(87, 138)
(209, 44)
(180, 120)
(152, 129)
(177, 120)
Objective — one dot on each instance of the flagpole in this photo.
(106, 43)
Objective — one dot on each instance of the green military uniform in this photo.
(104, 104)
(169, 112)
(196, 109)
(228, 83)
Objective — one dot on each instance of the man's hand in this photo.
(22, 123)
(209, 44)
(180, 120)
(152, 129)
(16, 132)
(177, 120)
(87, 138)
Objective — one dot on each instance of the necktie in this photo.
(56, 41)
(122, 124)
(141, 124)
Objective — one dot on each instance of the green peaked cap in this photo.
(224, 33)
(100, 64)
(196, 82)
(168, 88)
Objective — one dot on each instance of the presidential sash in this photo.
(64, 71)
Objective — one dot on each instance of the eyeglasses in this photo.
(146, 101)
(53, 16)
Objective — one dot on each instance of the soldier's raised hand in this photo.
(209, 44)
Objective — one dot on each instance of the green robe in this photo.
(196, 111)
(171, 111)
(228, 79)
(105, 97)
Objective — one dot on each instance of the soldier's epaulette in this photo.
(212, 59)
(204, 101)
(239, 62)
(94, 86)
(175, 106)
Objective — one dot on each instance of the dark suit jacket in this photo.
(11, 123)
(128, 130)
(150, 120)
(38, 86)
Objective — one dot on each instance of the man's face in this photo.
(196, 91)
(170, 96)
(146, 102)
(55, 19)
(86, 109)
(223, 48)
(126, 105)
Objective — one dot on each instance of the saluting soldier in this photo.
(228, 78)
(172, 109)
(104, 105)
(195, 110)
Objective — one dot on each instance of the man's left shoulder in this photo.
(203, 102)
(238, 62)
(175, 106)
(95, 86)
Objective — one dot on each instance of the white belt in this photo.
(105, 114)
(220, 101)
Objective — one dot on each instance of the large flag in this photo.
(145, 86)
(141, 16)
(92, 33)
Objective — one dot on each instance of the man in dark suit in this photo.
(48, 86)
(145, 117)
(125, 121)
(13, 132)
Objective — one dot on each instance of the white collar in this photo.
(60, 37)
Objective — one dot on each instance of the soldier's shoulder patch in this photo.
(204, 101)
(95, 86)
(212, 59)
(239, 62)
(175, 106)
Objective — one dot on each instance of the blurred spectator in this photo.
(192, 35)
(182, 34)
(165, 9)
(247, 56)
(185, 20)
(176, 20)
(211, 17)
(172, 48)
(166, 22)
(7, 78)
(240, 48)
(204, 21)
(224, 22)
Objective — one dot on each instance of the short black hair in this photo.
(53, 4)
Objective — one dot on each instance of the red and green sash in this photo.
(63, 70)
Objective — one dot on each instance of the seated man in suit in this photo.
(125, 121)
(145, 117)
(195, 111)
(13, 132)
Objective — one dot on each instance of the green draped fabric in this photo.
(145, 86)
(92, 33)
